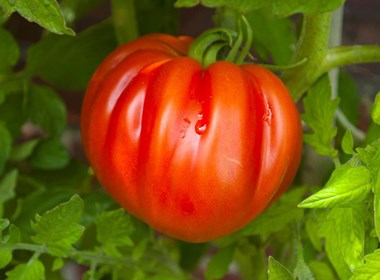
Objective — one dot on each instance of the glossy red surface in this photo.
(196, 153)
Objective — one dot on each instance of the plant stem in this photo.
(346, 55)
(125, 20)
(29, 247)
(93, 258)
(356, 132)
(313, 45)
(336, 162)
(335, 40)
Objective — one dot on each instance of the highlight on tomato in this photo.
(194, 146)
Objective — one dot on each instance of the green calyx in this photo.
(223, 44)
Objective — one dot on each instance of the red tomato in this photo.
(196, 153)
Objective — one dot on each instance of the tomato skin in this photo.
(196, 153)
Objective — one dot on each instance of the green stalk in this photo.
(313, 46)
(203, 50)
(335, 39)
(124, 20)
(207, 47)
(343, 120)
(98, 257)
(244, 52)
(332, 62)
(345, 55)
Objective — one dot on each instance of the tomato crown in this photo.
(223, 44)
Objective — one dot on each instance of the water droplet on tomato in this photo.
(200, 127)
(200, 115)
(185, 126)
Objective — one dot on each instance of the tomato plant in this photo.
(188, 139)
(195, 152)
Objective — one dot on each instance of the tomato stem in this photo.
(248, 40)
(203, 48)
(213, 43)
(284, 67)
(346, 55)
(313, 45)
(235, 47)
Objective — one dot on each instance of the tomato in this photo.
(195, 152)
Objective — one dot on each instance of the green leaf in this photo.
(251, 260)
(351, 231)
(113, 230)
(348, 185)
(46, 13)
(372, 134)
(5, 146)
(42, 201)
(375, 114)
(6, 254)
(8, 185)
(57, 264)
(69, 62)
(186, 3)
(350, 98)
(96, 203)
(220, 262)
(5, 257)
(348, 143)
(348, 227)
(371, 157)
(33, 270)
(12, 113)
(46, 109)
(321, 270)
(9, 51)
(312, 227)
(242, 6)
(14, 235)
(59, 228)
(343, 230)
(50, 154)
(277, 217)
(301, 271)
(273, 37)
(370, 270)
(277, 271)
(4, 223)
(290, 7)
(5, 8)
(190, 253)
(377, 212)
(24, 150)
(319, 116)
